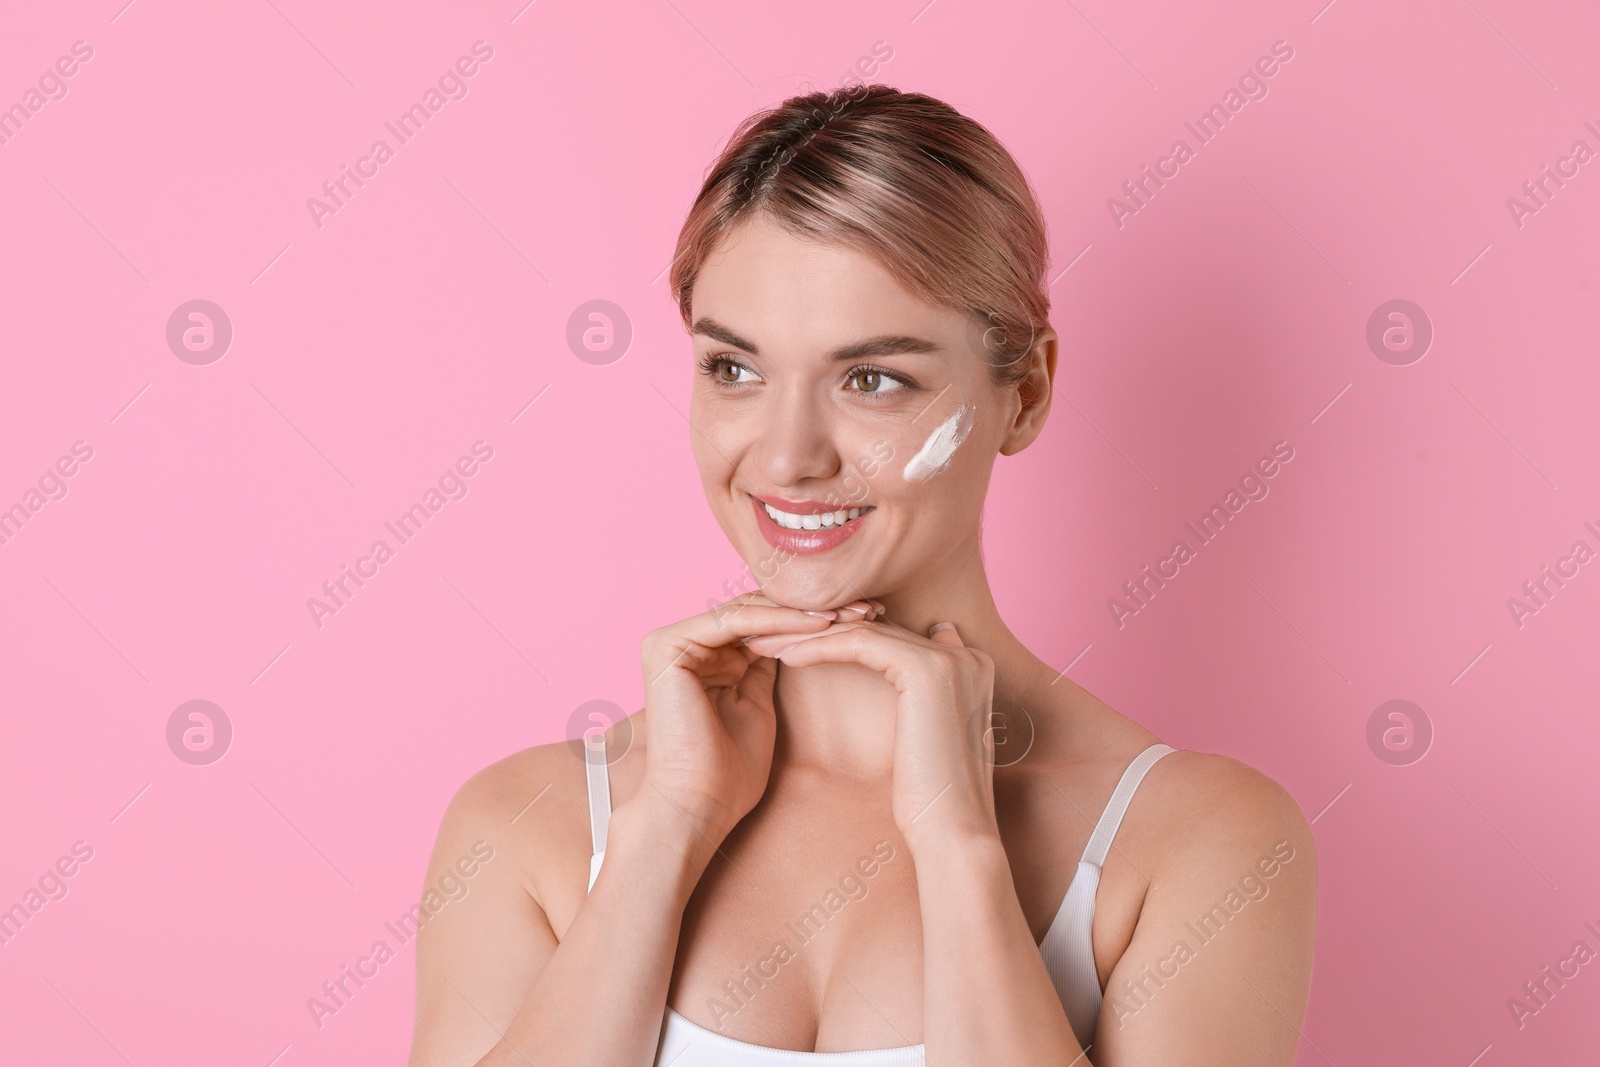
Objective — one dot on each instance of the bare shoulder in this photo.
(532, 807)
(1192, 810)
(1223, 847)
(505, 877)
(1206, 810)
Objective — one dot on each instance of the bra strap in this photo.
(594, 761)
(1117, 806)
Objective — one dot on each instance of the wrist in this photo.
(668, 839)
(941, 844)
(962, 870)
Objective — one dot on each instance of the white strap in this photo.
(1117, 806)
(594, 761)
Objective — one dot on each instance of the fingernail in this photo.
(779, 654)
(824, 614)
(936, 627)
(852, 607)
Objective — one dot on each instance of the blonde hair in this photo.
(903, 177)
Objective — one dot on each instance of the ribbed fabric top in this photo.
(1067, 948)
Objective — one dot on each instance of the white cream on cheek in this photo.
(941, 445)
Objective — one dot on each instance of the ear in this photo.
(1034, 393)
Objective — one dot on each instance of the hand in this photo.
(855, 611)
(943, 749)
(709, 717)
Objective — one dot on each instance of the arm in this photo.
(987, 997)
(1219, 968)
(1227, 837)
(978, 950)
(1240, 872)
(495, 987)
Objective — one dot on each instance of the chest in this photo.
(805, 931)
(810, 896)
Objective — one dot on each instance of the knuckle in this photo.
(653, 642)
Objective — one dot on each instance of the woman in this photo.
(817, 842)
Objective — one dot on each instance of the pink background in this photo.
(368, 354)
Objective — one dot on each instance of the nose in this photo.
(797, 443)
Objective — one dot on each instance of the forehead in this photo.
(772, 286)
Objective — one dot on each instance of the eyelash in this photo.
(710, 363)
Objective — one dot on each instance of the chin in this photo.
(807, 601)
(807, 581)
(822, 596)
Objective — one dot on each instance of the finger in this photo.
(769, 643)
(758, 679)
(740, 602)
(863, 608)
(898, 655)
(851, 610)
(945, 633)
(762, 597)
(716, 628)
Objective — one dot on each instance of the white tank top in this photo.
(1067, 950)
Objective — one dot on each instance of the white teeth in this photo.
(827, 520)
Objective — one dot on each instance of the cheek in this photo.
(717, 434)
(867, 461)
(707, 457)
(901, 457)
(937, 448)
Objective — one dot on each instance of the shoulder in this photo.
(531, 806)
(1191, 809)
(505, 877)
(1214, 821)
(1228, 849)
(497, 793)
(1221, 799)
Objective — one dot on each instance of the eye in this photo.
(717, 368)
(877, 381)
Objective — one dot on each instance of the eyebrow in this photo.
(886, 345)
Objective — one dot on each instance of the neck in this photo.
(840, 717)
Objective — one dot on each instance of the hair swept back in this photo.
(903, 177)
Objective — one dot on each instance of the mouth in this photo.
(804, 527)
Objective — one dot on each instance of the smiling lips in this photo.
(805, 526)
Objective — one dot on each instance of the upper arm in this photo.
(483, 939)
(1219, 967)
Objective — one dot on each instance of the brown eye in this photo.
(725, 371)
(870, 380)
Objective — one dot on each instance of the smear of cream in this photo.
(941, 445)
